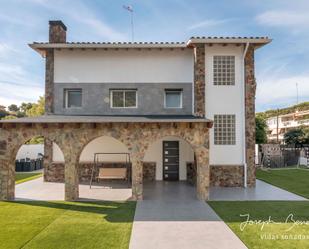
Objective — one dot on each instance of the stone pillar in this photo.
(71, 180)
(202, 177)
(48, 157)
(49, 82)
(199, 80)
(57, 34)
(137, 177)
(7, 173)
(250, 87)
(7, 179)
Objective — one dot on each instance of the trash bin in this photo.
(32, 165)
(27, 167)
(18, 166)
(37, 164)
(22, 165)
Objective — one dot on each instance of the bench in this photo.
(112, 173)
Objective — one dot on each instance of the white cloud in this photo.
(81, 13)
(280, 92)
(207, 23)
(16, 94)
(284, 19)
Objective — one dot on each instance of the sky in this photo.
(279, 66)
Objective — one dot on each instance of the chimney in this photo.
(57, 32)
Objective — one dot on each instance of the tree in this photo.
(24, 107)
(297, 136)
(37, 109)
(260, 129)
(13, 108)
(3, 113)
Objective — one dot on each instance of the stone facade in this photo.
(227, 175)
(199, 80)
(73, 137)
(250, 88)
(49, 82)
(57, 32)
(220, 175)
(55, 171)
(149, 171)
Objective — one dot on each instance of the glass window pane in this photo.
(117, 99)
(224, 130)
(74, 98)
(130, 98)
(173, 99)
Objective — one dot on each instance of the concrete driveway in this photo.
(170, 217)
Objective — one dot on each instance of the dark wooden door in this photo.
(170, 160)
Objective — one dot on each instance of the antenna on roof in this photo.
(130, 9)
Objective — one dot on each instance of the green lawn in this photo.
(293, 180)
(280, 234)
(65, 224)
(24, 177)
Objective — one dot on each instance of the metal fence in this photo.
(282, 156)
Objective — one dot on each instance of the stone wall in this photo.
(55, 171)
(73, 137)
(250, 88)
(149, 171)
(227, 175)
(223, 176)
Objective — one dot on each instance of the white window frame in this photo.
(123, 90)
(172, 90)
(66, 98)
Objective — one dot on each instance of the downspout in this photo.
(244, 116)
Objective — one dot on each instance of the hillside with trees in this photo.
(274, 112)
(24, 110)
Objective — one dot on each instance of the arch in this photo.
(106, 144)
(195, 139)
(154, 153)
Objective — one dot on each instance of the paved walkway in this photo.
(50, 191)
(262, 191)
(170, 217)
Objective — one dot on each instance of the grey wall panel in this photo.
(95, 100)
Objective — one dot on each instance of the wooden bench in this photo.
(112, 173)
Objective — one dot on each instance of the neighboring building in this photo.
(282, 123)
(184, 111)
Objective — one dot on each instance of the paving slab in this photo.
(262, 191)
(171, 217)
(50, 191)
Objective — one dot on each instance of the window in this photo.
(224, 130)
(73, 98)
(173, 98)
(123, 98)
(224, 70)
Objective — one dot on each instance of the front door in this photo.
(170, 160)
